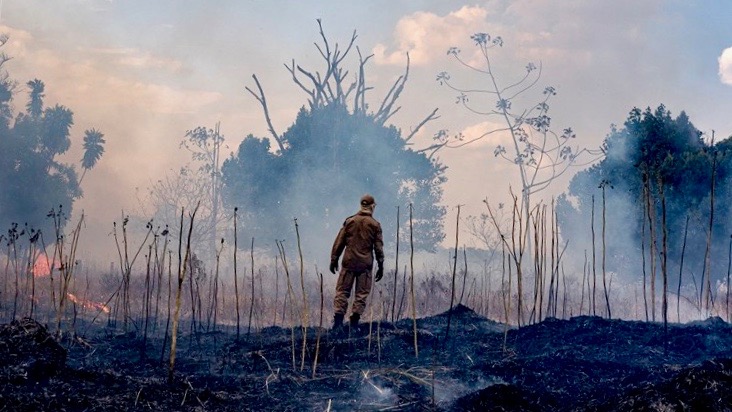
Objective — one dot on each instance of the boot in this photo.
(337, 321)
(355, 317)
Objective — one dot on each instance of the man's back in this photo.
(362, 238)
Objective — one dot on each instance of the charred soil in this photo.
(581, 364)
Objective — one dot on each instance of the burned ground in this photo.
(584, 363)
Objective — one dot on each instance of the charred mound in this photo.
(28, 352)
(580, 364)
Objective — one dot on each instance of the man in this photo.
(361, 238)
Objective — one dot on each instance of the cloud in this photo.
(18, 41)
(427, 36)
(486, 133)
(725, 66)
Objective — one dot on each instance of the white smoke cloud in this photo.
(427, 36)
(725, 66)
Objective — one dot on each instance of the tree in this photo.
(653, 158)
(196, 184)
(93, 150)
(205, 147)
(333, 157)
(32, 179)
(176, 189)
(336, 150)
(540, 154)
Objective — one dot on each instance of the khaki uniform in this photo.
(361, 238)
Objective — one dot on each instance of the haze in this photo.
(146, 72)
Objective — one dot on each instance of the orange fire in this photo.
(88, 304)
(42, 266)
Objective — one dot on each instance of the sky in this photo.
(145, 72)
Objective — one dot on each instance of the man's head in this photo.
(368, 202)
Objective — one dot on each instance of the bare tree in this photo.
(205, 147)
(185, 188)
(335, 84)
(540, 154)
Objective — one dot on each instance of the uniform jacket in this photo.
(361, 238)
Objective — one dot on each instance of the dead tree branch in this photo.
(359, 101)
(263, 101)
(432, 149)
(429, 118)
(333, 86)
(385, 110)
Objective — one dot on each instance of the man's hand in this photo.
(379, 273)
(333, 266)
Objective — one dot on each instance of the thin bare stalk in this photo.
(277, 292)
(652, 241)
(305, 308)
(146, 303)
(465, 276)
(215, 298)
(582, 285)
(378, 328)
(33, 255)
(643, 246)
(159, 270)
(290, 297)
(664, 260)
(709, 299)
(593, 296)
(411, 281)
(236, 281)
(565, 295)
(506, 293)
(170, 295)
(729, 266)
(404, 292)
(454, 270)
(371, 320)
(320, 326)
(681, 271)
(604, 273)
(396, 270)
(516, 248)
(67, 271)
(182, 266)
(251, 303)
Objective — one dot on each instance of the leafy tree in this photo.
(336, 150)
(35, 103)
(333, 157)
(32, 179)
(657, 152)
(93, 150)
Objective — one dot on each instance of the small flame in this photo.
(88, 304)
(42, 266)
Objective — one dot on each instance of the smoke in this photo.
(447, 391)
(374, 390)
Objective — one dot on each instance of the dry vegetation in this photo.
(163, 332)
